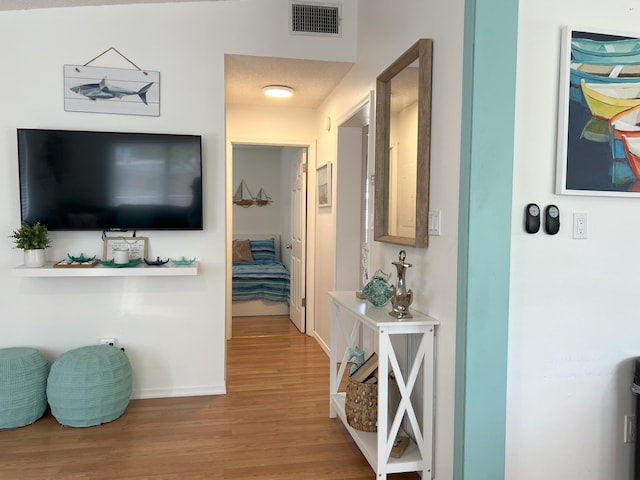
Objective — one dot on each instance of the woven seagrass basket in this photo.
(361, 405)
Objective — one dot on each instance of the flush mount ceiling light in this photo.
(277, 91)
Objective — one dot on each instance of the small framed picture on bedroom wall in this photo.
(323, 175)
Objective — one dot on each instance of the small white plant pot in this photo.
(34, 258)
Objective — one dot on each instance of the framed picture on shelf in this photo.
(598, 139)
(137, 246)
(323, 175)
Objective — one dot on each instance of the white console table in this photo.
(347, 309)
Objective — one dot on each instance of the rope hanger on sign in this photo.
(115, 50)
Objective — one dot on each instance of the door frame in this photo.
(310, 223)
(356, 119)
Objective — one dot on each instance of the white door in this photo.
(298, 239)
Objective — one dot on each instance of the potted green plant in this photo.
(33, 239)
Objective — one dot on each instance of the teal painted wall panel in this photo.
(490, 51)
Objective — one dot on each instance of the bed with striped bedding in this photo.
(255, 280)
(263, 278)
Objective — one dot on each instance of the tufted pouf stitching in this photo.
(23, 384)
(89, 386)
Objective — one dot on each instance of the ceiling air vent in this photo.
(315, 19)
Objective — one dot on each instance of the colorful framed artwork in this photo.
(323, 174)
(598, 144)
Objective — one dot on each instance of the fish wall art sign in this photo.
(598, 149)
(111, 90)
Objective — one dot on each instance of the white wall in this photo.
(573, 326)
(269, 168)
(173, 328)
(386, 30)
(168, 326)
(260, 168)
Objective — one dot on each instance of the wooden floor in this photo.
(263, 326)
(272, 424)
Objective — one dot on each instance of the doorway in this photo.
(274, 176)
(355, 152)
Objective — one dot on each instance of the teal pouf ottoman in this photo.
(23, 386)
(89, 386)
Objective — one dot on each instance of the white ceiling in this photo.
(245, 75)
(311, 80)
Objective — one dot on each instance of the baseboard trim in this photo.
(323, 345)
(179, 392)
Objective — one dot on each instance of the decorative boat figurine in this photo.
(132, 263)
(157, 262)
(81, 258)
(262, 198)
(243, 196)
(183, 261)
(623, 51)
(608, 99)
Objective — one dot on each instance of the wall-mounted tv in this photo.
(80, 180)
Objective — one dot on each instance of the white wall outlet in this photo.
(434, 222)
(107, 341)
(579, 225)
(629, 429)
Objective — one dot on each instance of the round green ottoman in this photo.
(89, 386)
(23, 386)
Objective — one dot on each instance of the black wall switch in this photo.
(532, 218)
(551, 219)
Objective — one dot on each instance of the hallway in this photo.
(282, 378)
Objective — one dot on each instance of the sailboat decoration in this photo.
(243, 196)
(262, 198)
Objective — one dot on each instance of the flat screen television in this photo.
(80, 180)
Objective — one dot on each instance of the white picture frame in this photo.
(323, 175)
(137, 246)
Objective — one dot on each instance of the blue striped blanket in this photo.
(260, 280)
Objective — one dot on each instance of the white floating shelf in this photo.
(142, 270)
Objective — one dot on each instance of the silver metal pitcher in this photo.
(400, 297)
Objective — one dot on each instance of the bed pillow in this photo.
(242, 251)
(263, 250)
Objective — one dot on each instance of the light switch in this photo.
(434, 222)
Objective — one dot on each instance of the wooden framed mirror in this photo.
(403, 135)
